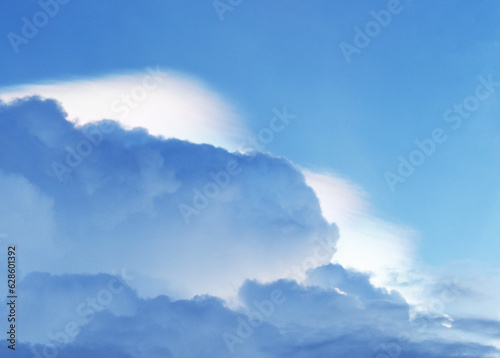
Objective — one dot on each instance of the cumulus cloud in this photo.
(119, 230)
(196, 218)
(174, 105)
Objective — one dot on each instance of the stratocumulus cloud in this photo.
(335, 317)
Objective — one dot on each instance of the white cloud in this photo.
(367, 243)
(185, 108)
(165, 103)
(388, 251)
(267, 222)
(168, 209)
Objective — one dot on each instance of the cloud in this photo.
(387, 252)
(367, 243)
(195, 218)
(56, 306)
(189, 219)
(29, 210)
(277, 319)
(166, 103)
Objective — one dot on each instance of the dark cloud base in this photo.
(307, 321)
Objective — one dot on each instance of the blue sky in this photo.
(224, 76)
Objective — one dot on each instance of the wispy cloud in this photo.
(165, 103)
(367, 242)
